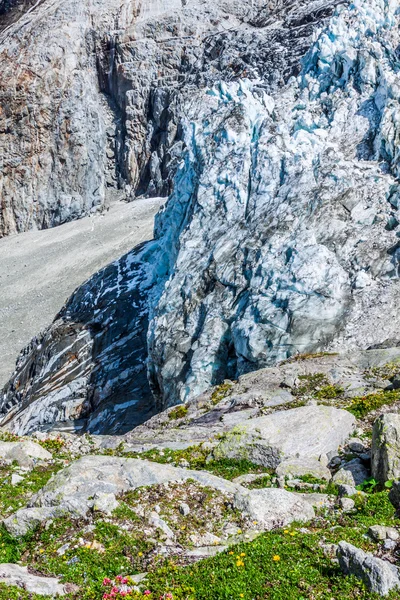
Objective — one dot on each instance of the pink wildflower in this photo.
(123, 593)
(105, 596)
(118, 578)
(169, 595)
(106, 581)
(124, 581)
(147, 593)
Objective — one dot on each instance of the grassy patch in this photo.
(281, 565)
(361, 406)
(196, 457)
(308, 356)
(13, 497)
(178, 413)
(220, 392)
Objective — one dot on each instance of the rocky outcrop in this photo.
(308, 431)
(386, 448)
(280, 234)
(379, 576)
(93, 482)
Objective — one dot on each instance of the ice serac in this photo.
(276, 129)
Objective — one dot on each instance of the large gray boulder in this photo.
(11, 574)
(273, 507)
(379, 576)
(386, 447)
(77, 488)
(305, 432)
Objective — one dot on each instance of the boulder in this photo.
(352, 474)
(92, 483)
(25, 453)
(305, 432)
(379, 576)
(272, 507)
(347, 504)
(346, 490)
(386, 447)
(298, 467)
(27, 519)
(11, 574)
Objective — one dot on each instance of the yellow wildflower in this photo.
(276, 558)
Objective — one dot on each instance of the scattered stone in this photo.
(156, 521)
(379, 576)
(184, 509)
(386, 447)
(27, 519)
(380, 532)
(298, 467)
(273, 507)
(105, 503)
(389, 544)
(205, 552)
(317, 500)
(139, 577)
(347, 504)
(250, 478)
(16, 479)
(74, 489)
(11, 574)
(206, 539)
(352, 473)
(346, 490)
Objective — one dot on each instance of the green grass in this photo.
(302, 571)
(360, 407)
(13, 497)
(197, 458)
(178, 413)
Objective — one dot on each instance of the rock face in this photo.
(305, 432)
(278, 126)
(386, 448)
(379, 576)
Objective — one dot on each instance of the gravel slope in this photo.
(40, 269)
